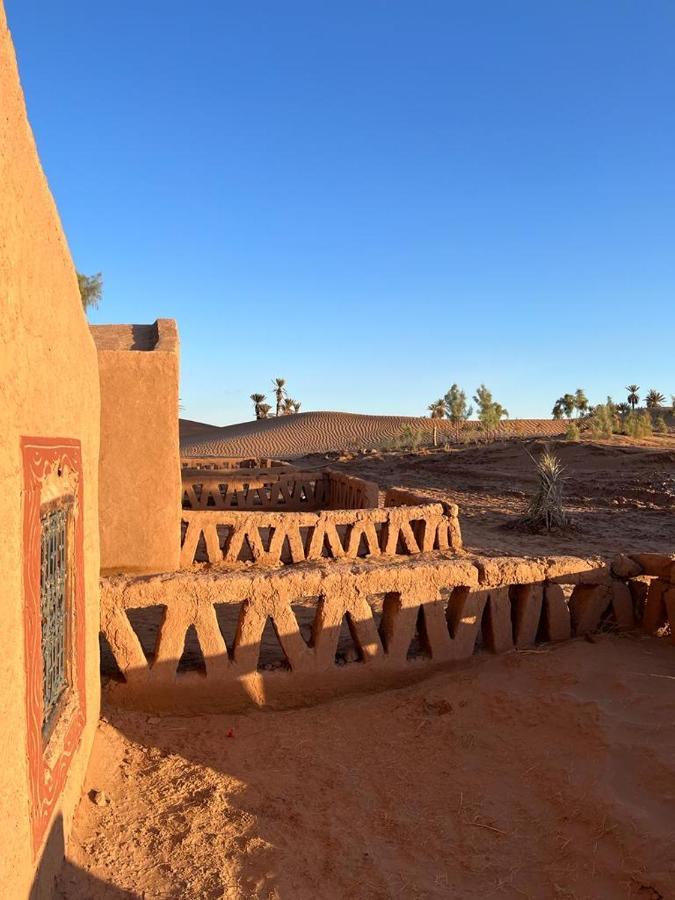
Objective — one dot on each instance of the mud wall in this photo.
(405, 620)
(271, 538)
(49, 437)
(140, 479)
(231, 462)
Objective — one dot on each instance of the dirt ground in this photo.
(542, 773)
(547, 773)
(620, 494)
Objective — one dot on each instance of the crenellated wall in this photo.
(404, 620)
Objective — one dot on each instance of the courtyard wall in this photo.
(49, 438)
(140, 470)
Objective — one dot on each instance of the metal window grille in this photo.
(53, 607)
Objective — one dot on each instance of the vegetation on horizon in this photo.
(91, 289)
(285, 405)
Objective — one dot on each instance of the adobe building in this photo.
(49, 552)
(139, 470)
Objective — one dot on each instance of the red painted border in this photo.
(46, 781)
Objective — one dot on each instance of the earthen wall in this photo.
(49, 438)
(140, 478)
(442, 610)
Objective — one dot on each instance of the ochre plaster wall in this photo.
(140, 472)
(48, 389)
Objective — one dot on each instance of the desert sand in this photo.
(322, 432)
(544, 773)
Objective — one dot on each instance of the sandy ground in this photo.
(541, 774)
(322, 432)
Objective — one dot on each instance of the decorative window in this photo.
(54, 613)
(54, 619)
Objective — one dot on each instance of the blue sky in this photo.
(373, 199)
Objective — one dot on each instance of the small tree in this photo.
(622, 410)
(490, 413)
(633, 397)
(546, 508)
(296, 406)
(456, 408)
(91, 289)
(258, 400)
(564, 406)
(654, 399)
(279, 385)
(264, 411)
(437, 409)
(660, 426)
(581, 402)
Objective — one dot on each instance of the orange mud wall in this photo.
(49, 441)
(140, 473)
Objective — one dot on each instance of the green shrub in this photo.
(603, 420)
(660, 426)
(572, 433)
(638, 425)
(546, 507)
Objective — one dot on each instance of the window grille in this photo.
(54, 612)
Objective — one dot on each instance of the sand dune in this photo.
(322, 432)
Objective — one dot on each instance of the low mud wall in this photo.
(286, 490)
(262, 489)
(231, 538)
(403, 620)
(232, 462)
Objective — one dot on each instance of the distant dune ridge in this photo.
(323, 432)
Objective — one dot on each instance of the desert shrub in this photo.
(410, 438)
(572, 433)
(603, 420)
(660, 426)
(638, 425)
(546, 507)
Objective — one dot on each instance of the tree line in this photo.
(285, 405)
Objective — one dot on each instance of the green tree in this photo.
(581, 401)
(633, 397)
(91, 289)
(564, 406)
(437, 409)
(490, 413)
(456, 408)
(654, 399)
(258, 400)
(660, 426)
(279, 385)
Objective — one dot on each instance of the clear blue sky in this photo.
(373, 199)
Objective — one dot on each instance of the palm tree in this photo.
(296, 406)
(287, 408)
(279, 385)
(258, 400)
(633, 397)
(437, 408)
(264, 409)
(654, 398)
